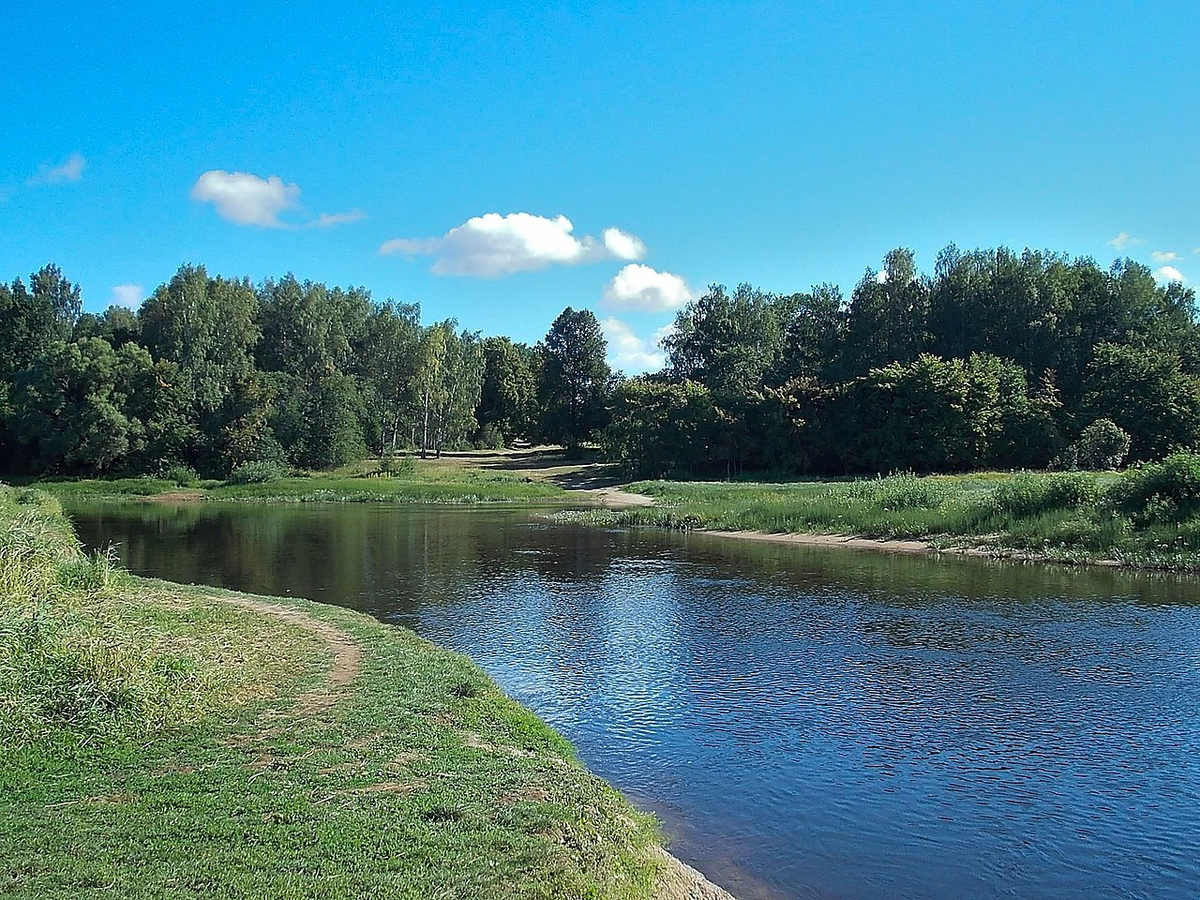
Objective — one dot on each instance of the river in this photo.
(807, 722)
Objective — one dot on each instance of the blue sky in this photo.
(498, 163)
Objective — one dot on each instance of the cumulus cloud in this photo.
(622, 245)
(246, 199)
(640, 287)
(328, 220)
(492, 245)
(1164, 256)
(128, 295)
(1169, 273)
(1125, 239)
(70, 169)
(631, 353)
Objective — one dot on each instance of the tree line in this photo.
(997, 359)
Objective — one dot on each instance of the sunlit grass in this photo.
(156, 745)
(1075, 515)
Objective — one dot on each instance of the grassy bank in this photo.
(183, 742)
(417, 481)
(1146, 517)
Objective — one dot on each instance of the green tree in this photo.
(728, 343)
(660, 428)
(888, 315)
(1147, 394)
(573, 380)
(507, 393)
(389, 358)
(69, 410)
(207, 327)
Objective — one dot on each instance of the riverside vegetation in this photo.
(1148, 516)
(998, 360)
(199, 743)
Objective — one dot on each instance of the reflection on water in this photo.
(808, 722)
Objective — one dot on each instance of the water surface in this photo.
(808, 722)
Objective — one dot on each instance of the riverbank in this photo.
(1144, 518)
(205, 743)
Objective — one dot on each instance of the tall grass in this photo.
(70, 668)
(1146, 517)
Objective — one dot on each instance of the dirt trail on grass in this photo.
(679, 882)
(347, 654)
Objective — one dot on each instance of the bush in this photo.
(1163, 492)
(489, 438)
(257, 472)
(392, 463)
(1029, 495)
(182, 475)
(1102, 445)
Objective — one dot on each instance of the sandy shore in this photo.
(832, 540)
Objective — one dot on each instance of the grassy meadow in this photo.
(465, 479)
(185, 742)
(1148, 516)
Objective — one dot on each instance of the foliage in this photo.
(573, 381)
(660, 427)
(997, 359)
(257, 472)
(1029, 495)
(1102, 445)
(1165, 492)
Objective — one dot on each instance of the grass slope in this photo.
(180, 742)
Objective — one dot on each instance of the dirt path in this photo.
(347, 654)
(679, 881)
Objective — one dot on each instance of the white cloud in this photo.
(622, 245)
(1169, 273)
(491, 245)
(328, 220)
(646, 289)
(70, 169)
(128, 295)
(631, 353)
(1125, 239)
(246, 199)
(1164, 256)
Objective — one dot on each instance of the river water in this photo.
(807, 722)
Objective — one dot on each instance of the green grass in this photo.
(1069, 516)
(159, 742)
(426, 484)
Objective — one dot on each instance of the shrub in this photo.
(489, 438)
(1102, 445)
(392, 463)
(1029, 495)
(257, 472)
(1168, 491)
(180, 474)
